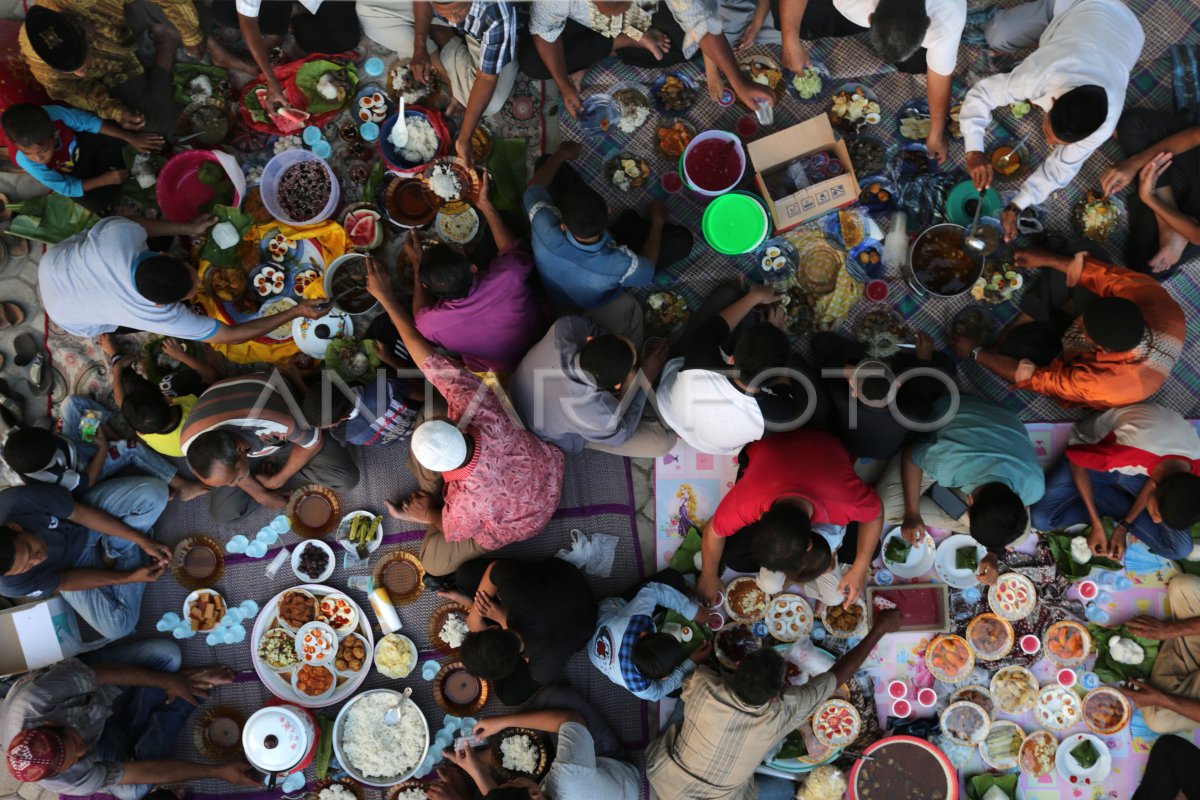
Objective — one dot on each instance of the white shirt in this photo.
(86, 284)
(707, 410)
(947, 18)
(577, 772)
(249, 8)
(1135, 438)
(1088, 42)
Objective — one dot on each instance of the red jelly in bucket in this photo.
(713, 163)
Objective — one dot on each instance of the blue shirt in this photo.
(983, 443)
(53, 180)
(494, 24)
(382, 413)
(620, 625)
(579, 275)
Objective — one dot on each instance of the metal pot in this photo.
(353, 300)
(279, 740)
(951, 280)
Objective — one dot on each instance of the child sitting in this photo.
(73, 152)
(384, 411)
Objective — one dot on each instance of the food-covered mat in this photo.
(689, 485)
(597, 498)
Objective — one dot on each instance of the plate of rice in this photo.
(375, 753)
(520, 753)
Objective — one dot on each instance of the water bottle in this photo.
(1096, 614)
(1089, 680)
(972, 595)
(895, 244)
(1103, 599)
(1106, 578)
(1122, 583)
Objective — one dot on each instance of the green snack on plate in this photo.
(1085, 754)
(897, 550)
(966, 558)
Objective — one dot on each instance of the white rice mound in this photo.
(382, 751)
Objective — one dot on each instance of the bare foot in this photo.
(166, 41)
(187, 490)
(221, 57)
(657, 42)
(108, 344)
(1171, 247)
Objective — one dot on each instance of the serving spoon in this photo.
(392, 717)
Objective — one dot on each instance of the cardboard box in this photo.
(37, 635)
(772, 155)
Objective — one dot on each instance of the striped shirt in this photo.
(494, 24)
(253, 406)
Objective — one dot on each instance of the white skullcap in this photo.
(439, 446)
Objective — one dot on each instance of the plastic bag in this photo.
(770, 581)
(823, 783)
(807, 657)
(592, 553)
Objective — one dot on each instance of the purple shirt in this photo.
(497, 322)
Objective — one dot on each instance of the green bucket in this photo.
(735, 223)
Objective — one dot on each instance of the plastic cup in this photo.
(323, 149)
(927, 698)
(1103, 599)
(715, 620)
(1030, 644)
(884, 577)
(727, 97)
(312, 134)
(281, 524)
(876, 291)
(249, 608)
(671, 182)
(901, 709)
(1096, 614)
(897, 690)
(1067, 677)
(1106, 578)
(1089, 680)
(818, 633)
(972, 594)
(1087, 589)
(369, 131)
(430, 670)
(720, 601)
(1122, 583)
(373, 66)
(746, 126)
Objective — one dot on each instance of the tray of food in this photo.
(633, 101)
(965, 723)
(974, 693)
(844, 622)
(836, 723)
(991, 636)
(788, 617)
(974, 323)
(457, 691)
(853, 107)
(204, 609)
(674, 92)
(903, 767)
(745, 601)
(1038, 754)
(949, 658)
(922, 606)
(881, 331)
(1097, 216)
(278, 629)
(666, 313)
(735, 642)
(1013, 596)
(280, 269)
(520, 753)
(1106, 710)
(1001, 748)
(674, 135)
(626, 171)
(765, 71)
(1015, 689)
(372, 751)
(395, 656)
(457, 223)
(1067, 643)
(808, 82)
(1057, 708)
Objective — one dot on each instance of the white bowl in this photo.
(346, 673)
(316, 627)
(405, 642)
(338, 725)
(187, 605)
(343, 531)
(315, 697)
(300, 548)
(269, 186)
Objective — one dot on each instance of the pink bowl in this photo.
(179, 192)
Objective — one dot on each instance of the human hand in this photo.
(1143, 695)
(276, 99)
(1116, 178)
(467, 759)
(979, 169)
(887, 621)
(569, 151)
(763, 294)
(572, 102)
(490, 726)
(309, 308)
(1097, 539)
(272, 482)
(1151, 628)
(795, 54)
(654, 355)
(462, 146)
(935, 143)
(751, 94)
(100, 440)
(924, 351)
(777, 316)
(485, 183)
(657, 211)
(912, 528)
(199, 225)
(417, 508)
(173, 348)
(492, 608)
(379, 282)
(115, 177)
(237, 773)
(440, 790)
(194, 685)
(852, 584)
(747, 38)
(1116, 547)
(157, 551)
(1008, 220)
(989, 569)
(147, 573)
(1150, 173)
(131, 120)
(420, 63)
(962, 345)
(703, 652)
(145, 142)
(708, 588)
(1034, 257)
(455, 596)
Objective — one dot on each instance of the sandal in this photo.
(33, 360)
(10, 315)
(11, 411)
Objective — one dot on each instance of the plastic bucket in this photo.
(706, 136)
(735, 223)
(179, 191)
(393, 160)
(269, 186)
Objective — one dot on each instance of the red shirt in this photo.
(804, 463)
(63, 159)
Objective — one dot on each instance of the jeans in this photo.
(771, 787)
(143, 727)
(1113, 494)
(121, 455)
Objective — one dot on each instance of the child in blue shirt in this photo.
(72, 152)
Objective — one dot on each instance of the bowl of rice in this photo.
(427, 140)
(372, 752)
(520, 753)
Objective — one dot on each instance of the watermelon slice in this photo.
(364, 229)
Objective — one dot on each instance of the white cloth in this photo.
(707, 411)
(1147, 427)
(249, 8)
(947, 18)
(697, 18)
(1088, 42)
(578, 772)
(86, 284)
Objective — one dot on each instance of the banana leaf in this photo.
(1068, 567)
(49, 219)
(182, 75)
(146, 198)
(1108, 670)
(979, 785)
(338, 354)
(215, 255)
(701, 633)
(684, 559)
(1191, 567)
(308, 76)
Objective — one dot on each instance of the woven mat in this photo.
(597, 498)
(1166, 22)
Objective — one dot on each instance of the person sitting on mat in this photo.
(1172, 771)
(986, 474)
(726, 724)
(1077, 76)
(580, 387)
(915, 35)
(569, 36)
(790, 511)
(1139, 465)
(106, 278)
(72, 152)
(1163, 158)
(585, 262)
(317, 27)
(107, 724)
(1090, 334)
(484, 481)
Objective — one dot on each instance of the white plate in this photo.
(803, 617)
(343, 531)
(861, 630)
(1011, 581)
(944, 561)
(1067, 766)
(442, 222)
(340, 324)
(412, 648)
(304, 545)
(920, 556)
(1058, 708)
(280, 683)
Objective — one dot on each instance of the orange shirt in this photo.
(1098, 379)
